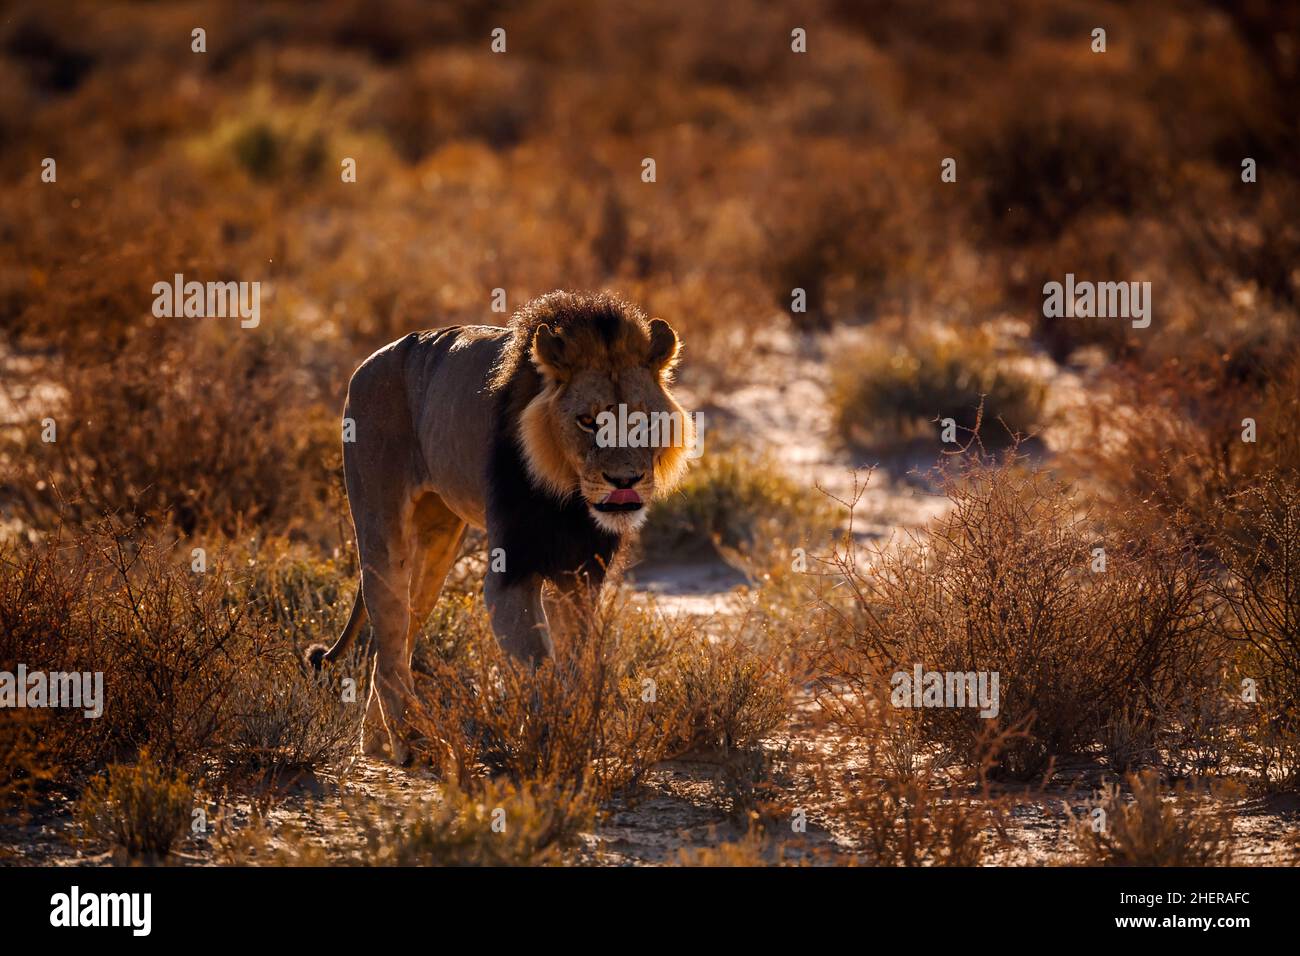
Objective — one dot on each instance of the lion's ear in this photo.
(548, 353)
(663, 346)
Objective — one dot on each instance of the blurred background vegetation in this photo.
(521, 171)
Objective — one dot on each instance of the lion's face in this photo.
(606, 426)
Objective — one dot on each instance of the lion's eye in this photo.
(586, 423)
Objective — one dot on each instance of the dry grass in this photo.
(736, 501)
(1261, 595)
(497, 824)
(1006, 582)
(25, 764)
(1156, 827)
(140, 809)
(191, 670)
(601, 714)
(893, 388)
(776, 172)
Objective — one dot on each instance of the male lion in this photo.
(497, 428)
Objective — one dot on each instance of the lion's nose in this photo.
(628, 482)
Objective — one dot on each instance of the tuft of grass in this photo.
(140, 809)
(892, 389)
(492, 823)
(269, 142)
(1180, 827)
(26, 763)
(732, 501)
(499, 823)
(750, 850)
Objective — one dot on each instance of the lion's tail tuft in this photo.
(318, 655)
(315, 657)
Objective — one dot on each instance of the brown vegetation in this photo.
(185, 532)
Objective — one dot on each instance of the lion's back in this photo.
(422, 406)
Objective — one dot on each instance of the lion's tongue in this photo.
(623, 496)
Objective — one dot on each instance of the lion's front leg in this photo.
(571, 606)
(518, 619)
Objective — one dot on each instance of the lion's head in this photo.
(599, 417)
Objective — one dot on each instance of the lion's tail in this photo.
(317, 655)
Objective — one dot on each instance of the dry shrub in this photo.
(837, 224)
(1004, 583)
(25, 763)
(891, 794)
(1269, 745)
(919, 823)
(452, 95)
(1263, 592)
(393, 30)
(191, 672)
(730, 696)
(51, 619)
(1261, 596)
(585, 718)
(283, 722)
(1044, 164)
(894, 388)
(1191, 827)
(1167, 445)
(1130, 738)
(141, 809)
(602, 713)
(209, 438)
(1257, 248)
(1201, 732)
(889, 789)
(171, 646)
(753, 786)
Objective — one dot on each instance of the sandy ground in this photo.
(684, 806)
